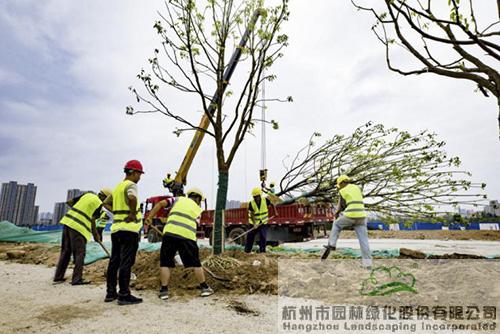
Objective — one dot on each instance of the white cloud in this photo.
(334, 68)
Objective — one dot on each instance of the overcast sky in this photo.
(65, 67)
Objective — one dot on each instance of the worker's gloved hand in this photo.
(148, 221)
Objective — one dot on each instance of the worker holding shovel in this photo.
(179, 235)
(79, 227)
(353, 214)
(258, 216)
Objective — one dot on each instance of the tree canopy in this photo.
(455, 38)
(401, 174)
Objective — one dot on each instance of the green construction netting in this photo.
(12, 233)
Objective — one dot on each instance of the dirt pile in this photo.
(47, 254)
(256, 273)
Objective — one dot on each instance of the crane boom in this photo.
(177, 185)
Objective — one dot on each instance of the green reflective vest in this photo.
(261, 214)
(121, 210)
(79, 217)
(181, 221)
(103, 219)
(354, 201)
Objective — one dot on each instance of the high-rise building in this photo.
(60, 210)
(45, 218)
(72, 193)
(17, 203)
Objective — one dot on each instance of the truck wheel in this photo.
(235, 233)
(152, 236)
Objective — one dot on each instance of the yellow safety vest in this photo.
(181, 220)
(103, 219)
(121, 210)
(80, 216)
(261, 214)
(354, 201)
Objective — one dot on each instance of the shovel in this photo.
(104, 248)
(208, 271)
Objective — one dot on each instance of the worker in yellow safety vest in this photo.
(105, 216)
(179, 235)
(353, 215)
(79, 227)
(258, 217)
(125, 234)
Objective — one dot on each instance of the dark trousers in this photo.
(72, 243)
(262, 231)
(124, 247)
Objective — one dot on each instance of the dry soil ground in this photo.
(247, 303)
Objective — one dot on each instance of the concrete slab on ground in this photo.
(438, 247)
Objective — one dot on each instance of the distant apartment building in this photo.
(60, 208)
(17, 203)
(72, 193)
(45, 219)
(492, 209)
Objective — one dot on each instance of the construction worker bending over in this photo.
(179, 235)
(258, 217)
(353, 214)
(79, 226)
(127, 223)
(105, 216)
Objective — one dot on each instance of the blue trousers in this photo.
(262, 231)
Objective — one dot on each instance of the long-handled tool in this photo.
(208, 271)
(156, 229)
(242, 234)
(104, 248)
(250, 230)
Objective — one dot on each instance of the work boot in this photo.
(129, 300)
(80, 282)
(110, 297)
(163, 294)
(331, 248)
(58, 281)
(205, 292)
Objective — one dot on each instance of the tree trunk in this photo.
(220, 205)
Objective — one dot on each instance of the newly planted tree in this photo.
(197, 41)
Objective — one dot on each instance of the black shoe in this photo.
(80, 282)
(163, 294)
(58, 281)
(332, 248)
(129, 300)
(110, 297)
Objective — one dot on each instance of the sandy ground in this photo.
(29, 303)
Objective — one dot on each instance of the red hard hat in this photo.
(134, 165)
